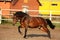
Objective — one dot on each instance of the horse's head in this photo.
(18, 16)
(15, 19)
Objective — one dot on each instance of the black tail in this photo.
(50, 24)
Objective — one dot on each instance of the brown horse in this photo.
(32, 22)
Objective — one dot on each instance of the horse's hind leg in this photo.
(25, 32)
(19, 29)
(45, 29)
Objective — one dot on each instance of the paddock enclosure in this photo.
(50, 9)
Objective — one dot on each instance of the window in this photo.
(54, 4)
(25, 1)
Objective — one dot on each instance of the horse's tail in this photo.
(50, 24)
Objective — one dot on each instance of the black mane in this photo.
(20, 14)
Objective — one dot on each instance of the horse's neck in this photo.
(22, 16)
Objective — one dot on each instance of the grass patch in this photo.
(57, 25)
(6, 22)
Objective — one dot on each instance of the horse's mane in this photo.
(20, 13)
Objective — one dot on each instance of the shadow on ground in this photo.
(37, 35)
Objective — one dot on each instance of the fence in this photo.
(31, 15)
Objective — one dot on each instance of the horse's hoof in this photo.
(25, 37)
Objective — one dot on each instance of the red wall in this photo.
(4, 5)
(32, 5)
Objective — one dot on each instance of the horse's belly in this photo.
(33, 25)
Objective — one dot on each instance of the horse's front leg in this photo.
(19, 29)
(25, 32)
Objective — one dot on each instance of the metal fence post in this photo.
(0, 15)
(50, 15)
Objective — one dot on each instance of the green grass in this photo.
(57, 25)
(9, 23)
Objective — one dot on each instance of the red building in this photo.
(17, 4)
(32, 5)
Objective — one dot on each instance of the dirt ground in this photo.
(8, 32)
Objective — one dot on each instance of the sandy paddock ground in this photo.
(8, 32)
